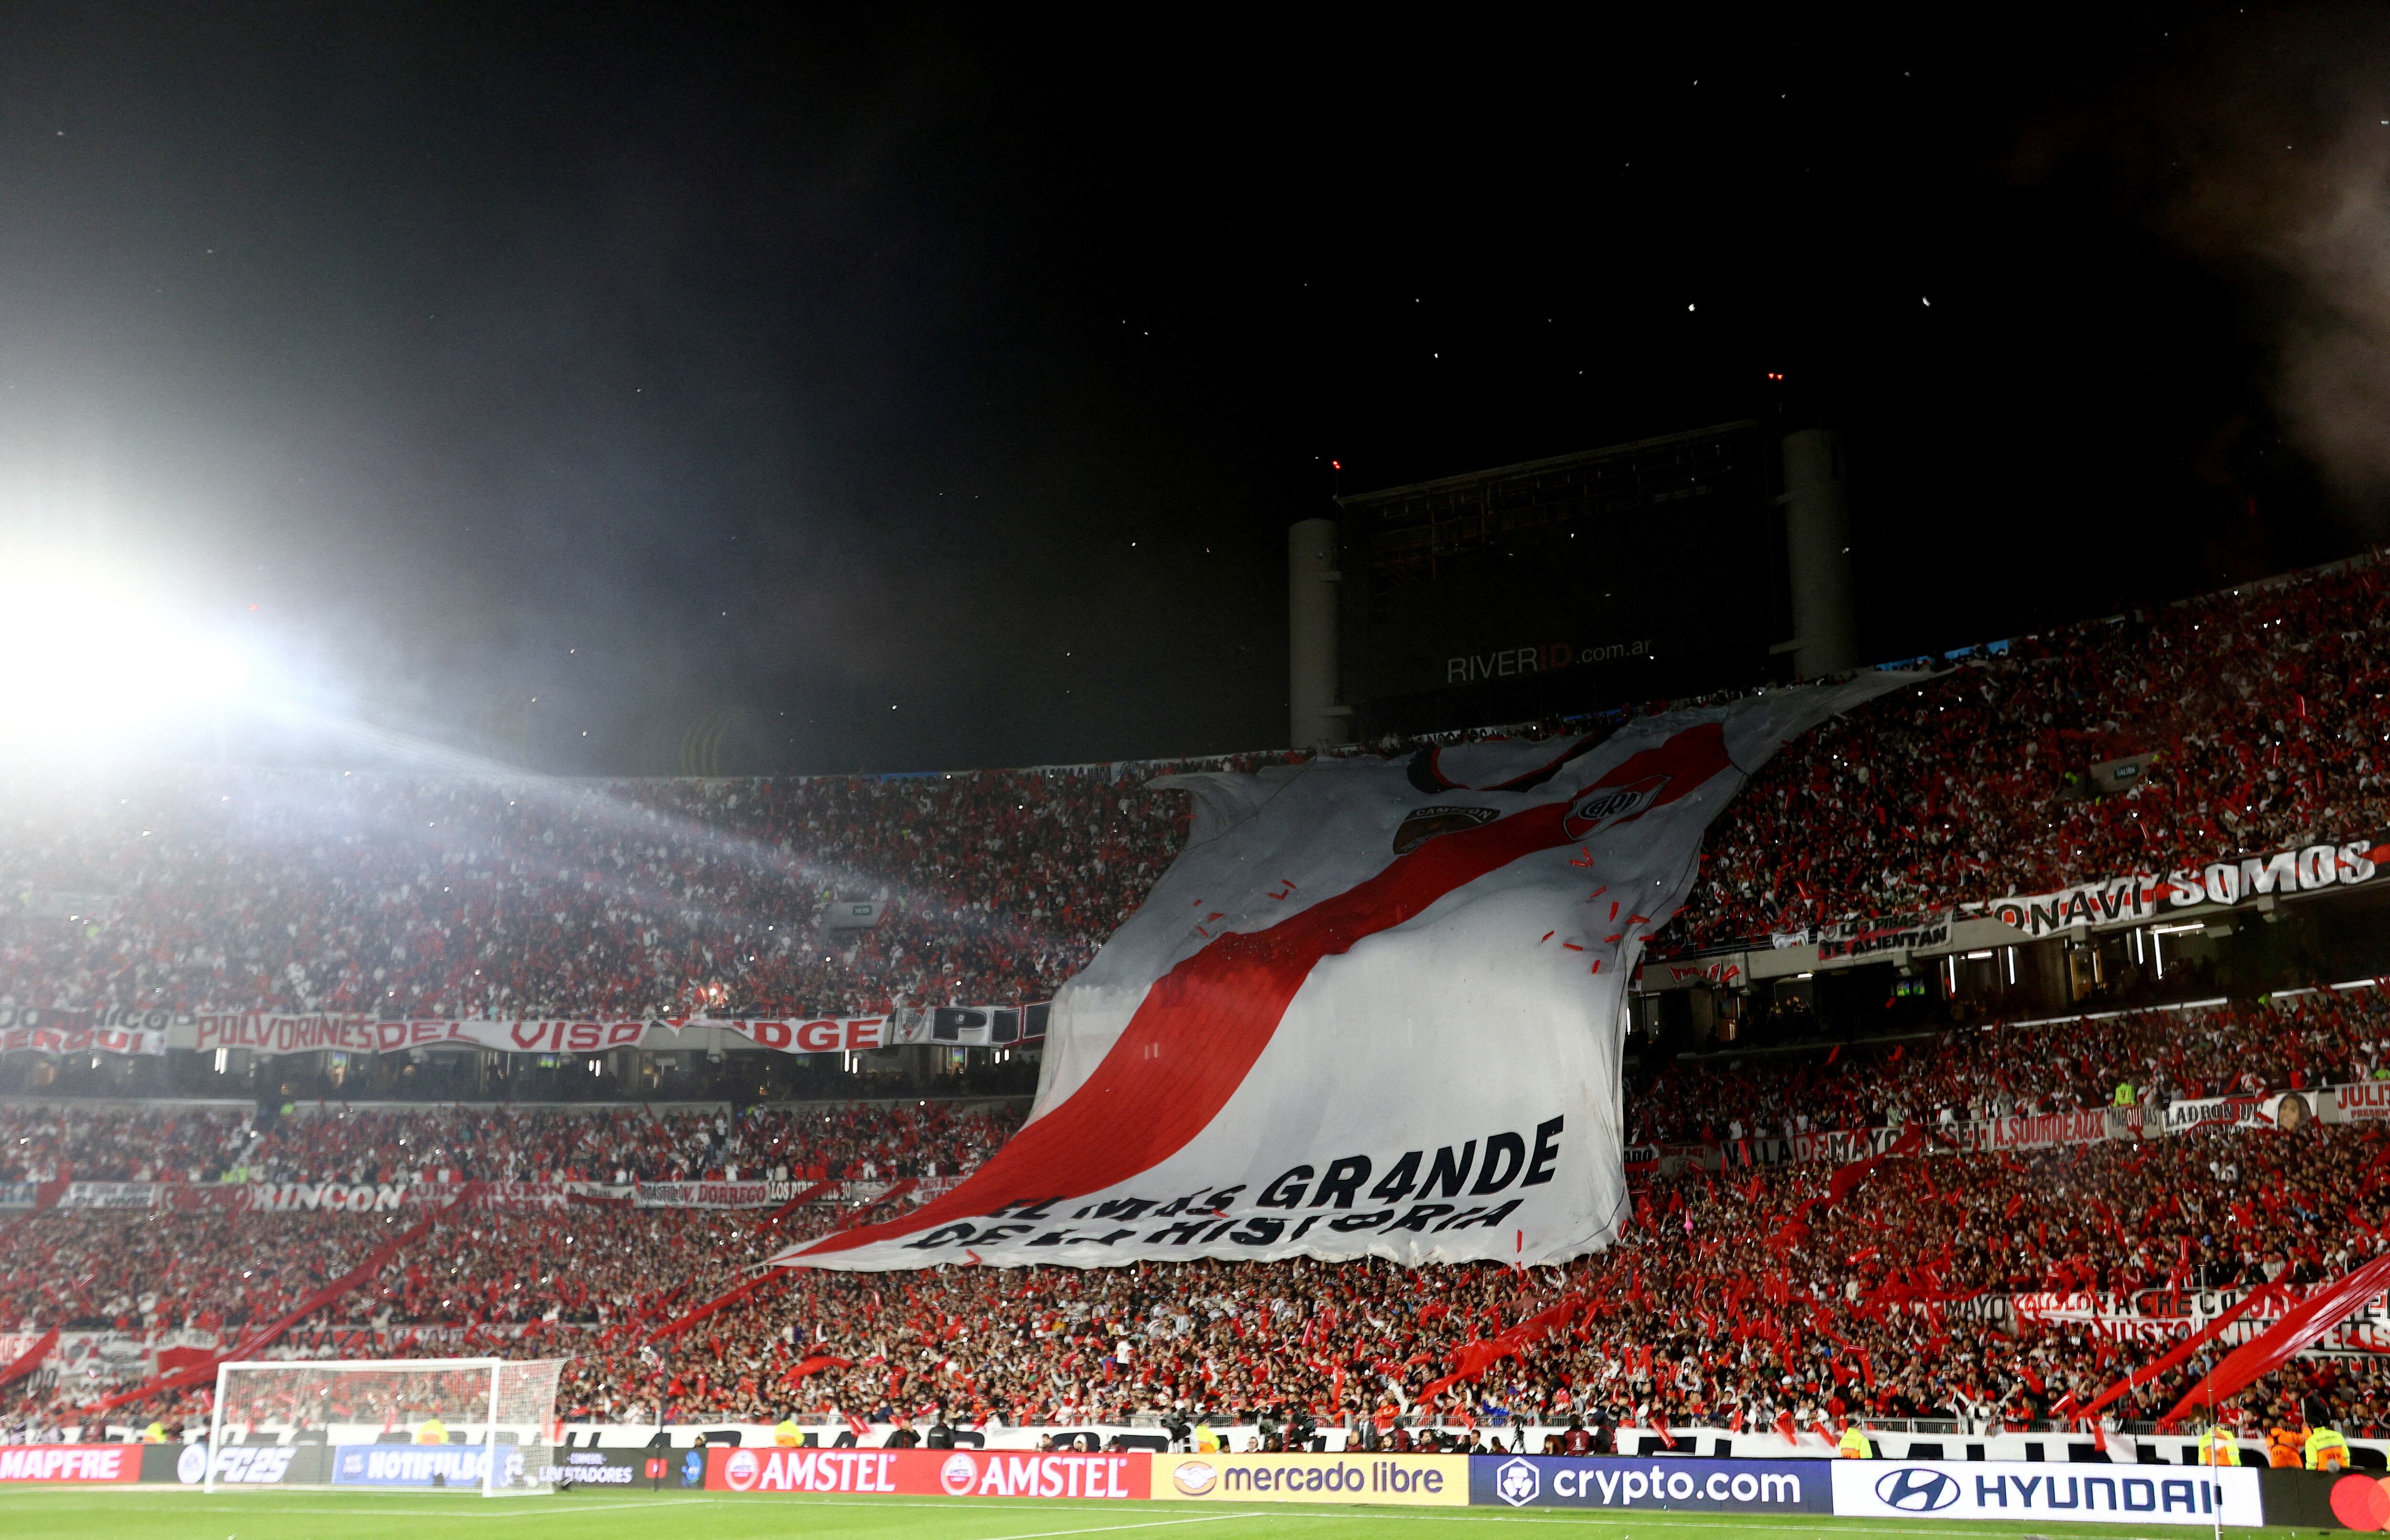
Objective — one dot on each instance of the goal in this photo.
(472, 1424)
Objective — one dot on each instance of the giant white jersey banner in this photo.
(1376, 1007)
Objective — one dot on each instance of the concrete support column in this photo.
(1817, 551)
(1313, 717)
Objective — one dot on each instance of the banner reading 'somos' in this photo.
(1262, 1064)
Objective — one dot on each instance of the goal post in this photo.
(481, 1424)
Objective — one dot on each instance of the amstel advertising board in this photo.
(929, 1472)
(1416, 1480)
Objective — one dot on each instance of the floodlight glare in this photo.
(89, 656)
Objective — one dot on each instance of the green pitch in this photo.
(158, 1514)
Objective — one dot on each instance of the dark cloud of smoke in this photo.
(2260, 145)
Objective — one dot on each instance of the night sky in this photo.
(656, 390)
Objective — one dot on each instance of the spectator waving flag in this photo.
(1375, 1008)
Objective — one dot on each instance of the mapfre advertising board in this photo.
(66, 1463)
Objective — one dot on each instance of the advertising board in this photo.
(63, 1463)
(1417, 1480)
(2087, 1495)
(1679, 1485)
(419, 1464)
(929, 1472)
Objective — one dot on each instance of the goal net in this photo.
(474, 1424)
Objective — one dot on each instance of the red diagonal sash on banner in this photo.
(1200, 1026)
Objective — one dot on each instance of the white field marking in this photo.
(1819, 1522)
(1146, 1524)
(1822, 1524)
(370, 1508)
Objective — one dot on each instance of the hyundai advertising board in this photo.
(1679, 1485)
(2058, 1494)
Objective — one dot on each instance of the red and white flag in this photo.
(1376, 1008)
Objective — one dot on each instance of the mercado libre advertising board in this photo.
(1416, 1480)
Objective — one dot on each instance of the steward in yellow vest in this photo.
(1854, 1444)
(2219, 1446)
(432, 1431)
(2327, 1450)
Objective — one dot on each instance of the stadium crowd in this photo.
(1974, 1074)
(382, 1147)
(1741, 1296)
(415, 897)
(305, 892)
(2259, 705)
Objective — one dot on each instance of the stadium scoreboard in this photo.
(1640, 570)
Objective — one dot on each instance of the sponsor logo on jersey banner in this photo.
(417, 1464)
(237, 1466)
(72, 1462)
(1437, 1481)
(929, 1472)
(1685, 1485)
(2018, 1491)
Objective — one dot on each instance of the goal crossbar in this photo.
(432, 1404)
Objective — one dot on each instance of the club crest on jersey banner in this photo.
(1376, 1008)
